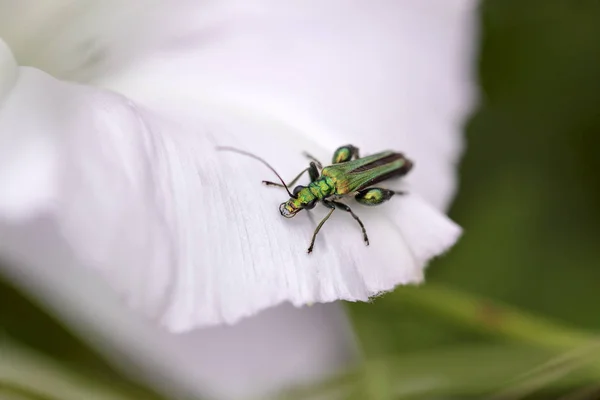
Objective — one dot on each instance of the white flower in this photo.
(109, 174)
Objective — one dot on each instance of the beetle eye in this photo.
(311, 204)
(297, 189)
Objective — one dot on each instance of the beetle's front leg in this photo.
(313, 172)
(313, 159)
(327, 204)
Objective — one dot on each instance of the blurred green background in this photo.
(512, 311)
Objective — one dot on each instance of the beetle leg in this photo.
(375, 196)
(313, 172)
(269, 183)
(310, 217)
(344, 154)
(313, 159)
(348, 209)
(314, 236)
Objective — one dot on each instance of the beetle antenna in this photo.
(233, 149)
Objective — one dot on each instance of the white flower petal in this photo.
(76, 40)
(280, 347)
(336, 77)
(8, 70)
(27, 162)
(186, 234)
(264, 260)
(396, 72)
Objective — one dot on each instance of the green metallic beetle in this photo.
(348, 175)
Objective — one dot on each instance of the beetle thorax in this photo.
(321, 188)
(304, 197)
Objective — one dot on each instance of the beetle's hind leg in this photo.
(345, 153)
(344, 207)
(375, 196)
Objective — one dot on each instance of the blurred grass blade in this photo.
(485, 315)
(584, 393)
(552, 371)
(25, 374)
(477, 370)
